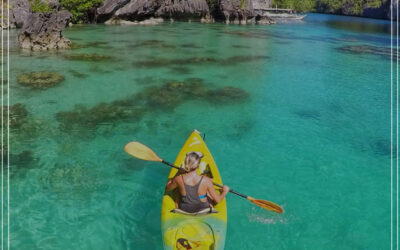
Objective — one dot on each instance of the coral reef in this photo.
(18, 115)
(40, 80)
(368, 49)
(89, 57)
(96, 44)
(226, 95)
(191, 46)
(78, 74)
(155, 98)
(152, 44)
(308, 114)
(162, 62)
(21, 163)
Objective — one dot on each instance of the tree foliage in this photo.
(348, 7)
(80, 9)
(39, 6)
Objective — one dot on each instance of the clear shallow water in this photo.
(313, 134)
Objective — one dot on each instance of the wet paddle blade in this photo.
(140, 151)
(266, 205)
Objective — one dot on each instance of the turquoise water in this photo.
(305, 126)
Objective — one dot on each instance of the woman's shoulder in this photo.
(207, 179)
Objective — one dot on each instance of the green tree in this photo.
(39, 6)
(300, 6)
(81, 9)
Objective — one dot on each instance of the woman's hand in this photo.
(171, 184)
(225, 189)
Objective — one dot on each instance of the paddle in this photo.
(140, 151)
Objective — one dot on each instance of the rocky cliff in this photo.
(43, 31)
(19, 12)
(138, 10)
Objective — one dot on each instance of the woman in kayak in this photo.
(195, 189)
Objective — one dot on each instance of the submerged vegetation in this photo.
(152, 44)
(89, 57)
(40, 80)
(385, 52)
(165, 97)
(18, 114)
(163, 62)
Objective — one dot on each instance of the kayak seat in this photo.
(201, 212)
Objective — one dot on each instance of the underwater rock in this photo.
(382, 147)
(96, 44)
(191, 46)
(100, 114)
(99, 70)
(368, 49)
(43, 31)
(18, 115)
(40, 80)
(240, 47)
(152, 44)
(155, 98)
(162, 62)
(181, 70)
(308, 114)
(246, 34)
(78, 74)
(145, 80)
(21, 163)
(89, 57)
(226, 95)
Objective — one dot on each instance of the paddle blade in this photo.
(140, 151)
(266, 205)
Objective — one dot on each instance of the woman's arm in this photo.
(171, 184)
(214, 195)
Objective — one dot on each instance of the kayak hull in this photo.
(198, 232)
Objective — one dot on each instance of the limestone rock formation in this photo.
(19, 12)
(108, 9)
(183, 9)
(236, 11)
(137, 10)
(43, 31)
(150, 21)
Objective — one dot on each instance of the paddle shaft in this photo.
(215, 184)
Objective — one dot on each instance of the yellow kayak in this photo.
(188, 231)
